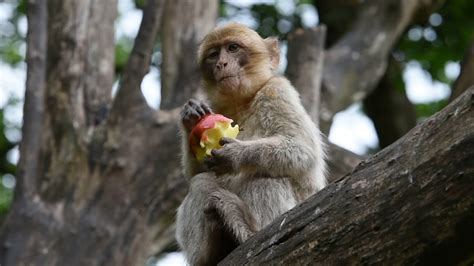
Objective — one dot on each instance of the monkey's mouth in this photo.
(226, 77)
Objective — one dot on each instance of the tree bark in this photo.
(37, 14)
(412, 203)
(106, 188)
(305, 66)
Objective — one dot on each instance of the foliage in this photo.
(6, 167)
(12, 46)
(424, 110)
(123, 47)
(12, 37)
(444, 38)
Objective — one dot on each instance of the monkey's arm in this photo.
(274, 156)
(190, 165)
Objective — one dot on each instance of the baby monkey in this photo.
(276, 162)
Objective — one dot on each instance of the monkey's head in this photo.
(236, 62)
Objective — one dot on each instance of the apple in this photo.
(207, 133)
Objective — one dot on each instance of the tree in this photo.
(412, 203)
(99, 177)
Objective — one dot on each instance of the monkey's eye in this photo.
(212, 54)
(233, 47)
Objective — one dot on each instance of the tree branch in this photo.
(355, 64)
(304, 70)
(411, 203)
(129, 94)
(100, 64)
(180, 77)
(33, 109)
(305, 66)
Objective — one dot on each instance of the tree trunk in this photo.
(305, 66)
(412, 203)
(101, 189)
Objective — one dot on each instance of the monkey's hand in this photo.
(192, 112)
(226, 159)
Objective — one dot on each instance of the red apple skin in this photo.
(205, 123)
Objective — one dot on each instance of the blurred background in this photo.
(423, 66)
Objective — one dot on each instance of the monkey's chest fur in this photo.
(267, 197)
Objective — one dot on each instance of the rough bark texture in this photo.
(389, 107)
(411, 203)
(94, 196)
(103, 191)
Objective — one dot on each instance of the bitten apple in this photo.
(207, 133)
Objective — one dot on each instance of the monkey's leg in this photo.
(235, 214)
(200, 231)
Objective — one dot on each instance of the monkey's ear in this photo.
(274, 51)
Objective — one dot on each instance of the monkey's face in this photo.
(223, 65)
(236, 61)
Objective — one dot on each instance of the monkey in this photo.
(276, 161)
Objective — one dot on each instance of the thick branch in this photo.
(37, 13)
(355, 64)
(80, 68)
(180, 78)
(411, 203)
(100, 62)
(129, 94)
(305, 65)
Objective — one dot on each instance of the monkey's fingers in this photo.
(189, 118)
(206, 108)
(196, 106)
(214, 164)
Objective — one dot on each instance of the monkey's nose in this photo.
(221, 65)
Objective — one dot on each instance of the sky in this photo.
(351, 129)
